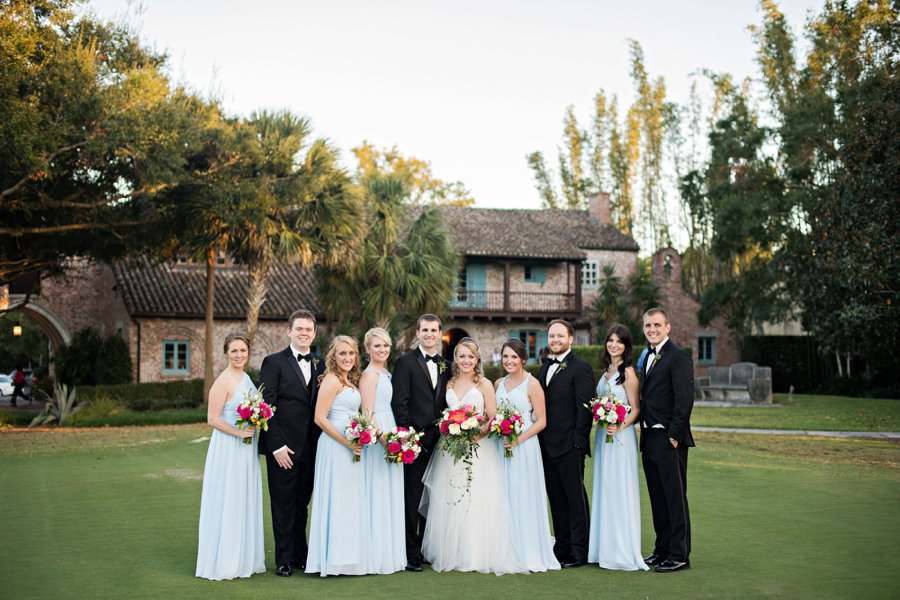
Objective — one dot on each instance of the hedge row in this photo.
(148, 396)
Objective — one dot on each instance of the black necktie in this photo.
(302, 357)
(433, 358)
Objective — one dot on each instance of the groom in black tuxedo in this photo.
(667, 397)
(290, 379)
(568, 383)
(420, 385)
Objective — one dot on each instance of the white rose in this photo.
(469, 423)
(454, 429)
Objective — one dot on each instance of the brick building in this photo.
(521, 268)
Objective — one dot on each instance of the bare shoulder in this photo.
(630, 373)
(484, 386)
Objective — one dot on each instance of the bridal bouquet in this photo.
(608, 410)
(254, 411)
(506, 425)
(402, 445)
(362, 429)
(459, 429)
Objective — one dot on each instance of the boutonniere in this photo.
(442, 367)
(657, 356)
(315, 363)
(563, 365)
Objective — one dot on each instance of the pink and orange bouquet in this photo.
(254, 411)
(402, 445)
(459, 427)
(362, 429)
(506, 425)
(608, 410)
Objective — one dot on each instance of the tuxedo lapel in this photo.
(542, 374)
(562, 367)
(295, 367)
(420, 358)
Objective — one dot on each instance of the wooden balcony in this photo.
(498, 304)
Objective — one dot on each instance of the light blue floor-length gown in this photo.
(384, 489)
(338, 532)
(527, 500)
(231, 508)
(615, 537)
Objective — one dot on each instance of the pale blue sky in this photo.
(470, 86)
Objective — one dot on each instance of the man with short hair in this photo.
(289, 381)
(568, 383)
(667, 397)
(420, 385)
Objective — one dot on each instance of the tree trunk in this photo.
(257, 288)
(208, 374)
(840, 366)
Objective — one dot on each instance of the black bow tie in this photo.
(302, 357)
(651, 350)
(555, 361)
(433, 358)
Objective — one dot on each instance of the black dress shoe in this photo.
(573, 564)
(414, 565)
(284, 571)
(670, 566)
(655, 559)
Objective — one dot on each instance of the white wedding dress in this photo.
(468, 531)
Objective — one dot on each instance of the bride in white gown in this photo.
(469, 530)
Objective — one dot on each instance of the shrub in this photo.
(158, 395)
(98, 408)
(76, 362)
(58, 408)
(113, 363)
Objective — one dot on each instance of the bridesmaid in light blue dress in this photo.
(615, 537)
(231, 510)
(384, 482)
(524, 472)
(338, 533)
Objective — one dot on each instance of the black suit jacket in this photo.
(568, 421)
(294, 401)
(667, 393)
(415, 403)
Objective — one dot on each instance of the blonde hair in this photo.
(351, 379)
(454, 369)
(377, 332)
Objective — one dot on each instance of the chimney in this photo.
(599, 207)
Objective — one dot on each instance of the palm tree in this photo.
(608, 304)
(304, 210)
(408, 264)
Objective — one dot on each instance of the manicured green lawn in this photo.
(817, 413)
(112, 513)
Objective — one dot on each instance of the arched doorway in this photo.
(450, 340)
(49, 323)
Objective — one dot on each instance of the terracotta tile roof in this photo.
(526, 233)
(168, 290)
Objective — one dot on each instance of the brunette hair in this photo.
(624, 334)
(454, 370)
(301, 314)
(563, 322)
(351, 379)
(517, 346)
(429, 317)
(235, 335)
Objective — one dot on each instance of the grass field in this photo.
(811, 412)
(818, 413)
(110, 513)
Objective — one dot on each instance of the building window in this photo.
(176, 358)
(534, 274)
(589, 273)
(534, 340)
(706, 350)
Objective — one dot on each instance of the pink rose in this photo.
(244, 412)
(621, 411)
(409, 456)
(445, 427)
(402, 429)
(365, 438)
(394, 447)
(505, 428)
(353, 424)
(609, 406)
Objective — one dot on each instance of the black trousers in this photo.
(412, 496)
(290, 491)
(665, 469)
(564, 479)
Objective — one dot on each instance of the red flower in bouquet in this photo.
(253, 410)
(607, 409)
(363, 430)
(506, 425)
(402, 445)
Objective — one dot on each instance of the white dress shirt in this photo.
(651, 358)
(432, 367)
(554, 367)
(306, 369)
